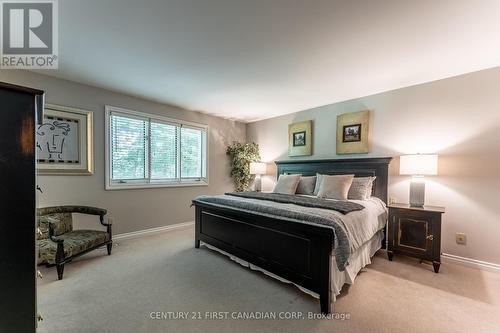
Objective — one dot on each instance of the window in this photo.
(152, 151)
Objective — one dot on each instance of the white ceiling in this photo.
(255, 59)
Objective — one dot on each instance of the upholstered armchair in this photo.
(58, 243)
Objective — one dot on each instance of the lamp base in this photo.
(257, 183)
(417, 192)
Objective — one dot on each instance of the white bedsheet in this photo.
(374, 217)
(363, 224)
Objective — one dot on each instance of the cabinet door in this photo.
(413, 233)
(17, 204)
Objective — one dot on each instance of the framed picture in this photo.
(300, 138)
(352, 133)
(64, 141)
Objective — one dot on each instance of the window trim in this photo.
(110, 185)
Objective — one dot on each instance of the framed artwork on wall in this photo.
(300, 138)
(353, 133)
(64, 141)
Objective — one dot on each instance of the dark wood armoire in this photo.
(19, 109)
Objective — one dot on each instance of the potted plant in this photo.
(241, 154)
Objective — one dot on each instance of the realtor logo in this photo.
(29, 34)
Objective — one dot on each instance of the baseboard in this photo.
(445, 257)
(152, 231)
(482, 265)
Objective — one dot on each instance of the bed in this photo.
(301, 253)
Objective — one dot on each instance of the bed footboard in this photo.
(297, 252)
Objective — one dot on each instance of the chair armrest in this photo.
(108, 223)
(51, 231)
(60, 245)
(46, 219)
(50, 223)
(72, 209)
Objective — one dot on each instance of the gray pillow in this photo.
(361, 188)
(335, 187)
(319, 178)
(306, 185)
(287, 184)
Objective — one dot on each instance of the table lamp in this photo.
(418, 166)
(258, 169)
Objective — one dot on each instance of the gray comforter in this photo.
(340, 206)
(350, 230)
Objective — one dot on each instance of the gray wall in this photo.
(458, 118)
(132, 209)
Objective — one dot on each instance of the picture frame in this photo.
(353, 133)
(300, 138)
(64, 141)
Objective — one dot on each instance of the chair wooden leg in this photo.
(109, 246)
(59, 257)
(60, 271)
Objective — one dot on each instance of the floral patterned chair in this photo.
(58, 243)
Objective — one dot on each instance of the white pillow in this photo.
(335, 187)
(361, 188)
(287, 184)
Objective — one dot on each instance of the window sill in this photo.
(114, 187)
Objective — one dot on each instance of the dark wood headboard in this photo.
(360, 167)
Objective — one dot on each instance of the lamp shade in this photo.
(418, 165)
(258, 168)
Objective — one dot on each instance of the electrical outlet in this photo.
(110, 220)
(392, 200)
(461, 238)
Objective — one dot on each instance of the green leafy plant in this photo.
(241, 155)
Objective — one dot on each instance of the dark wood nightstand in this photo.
(416, 232)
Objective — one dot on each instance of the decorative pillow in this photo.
(361, 188)
(306, 185)
(335, 187)
(370, 189)
(287, 184)
(319, 178)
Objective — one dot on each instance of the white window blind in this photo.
(150, 151)
(128, 148)
(163, 151)
(191, 153)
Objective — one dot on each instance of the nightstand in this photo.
(415, 232)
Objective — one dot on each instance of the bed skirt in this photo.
(357, 260)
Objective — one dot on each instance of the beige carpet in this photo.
(165, 273)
